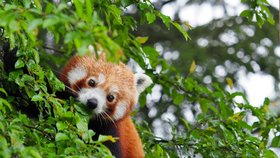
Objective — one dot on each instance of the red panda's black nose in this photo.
(92, 103)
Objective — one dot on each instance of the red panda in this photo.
(110, 91)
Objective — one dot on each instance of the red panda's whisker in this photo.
(59, 73)
(106, 120)
(99, 119)
(110, 118)
(72, 89)
(103, 117)
(75, 86)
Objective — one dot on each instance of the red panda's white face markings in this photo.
(120, 111)
(94, 98)
(104, 87)
(93, 95)
(76, 74)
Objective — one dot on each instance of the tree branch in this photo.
(43, 132)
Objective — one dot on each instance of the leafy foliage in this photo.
(61, 128)
(233, 44)
(259, 10)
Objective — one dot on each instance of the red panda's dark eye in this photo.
(91, 83)
(110, 98)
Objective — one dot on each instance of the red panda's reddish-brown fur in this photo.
(115, 75)
(130, 141)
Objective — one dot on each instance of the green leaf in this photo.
(229, 82)
(61, 125)
(61, 137)
(142, 100)
(275, 142)
(271, 20)
(4, 103)
(68, 115)
(37, 97)
(79, 8)
(3, 91)
(70, 36)
(245, 13)
(126, 3)
(61, 7)
(186, 124)
(150, 17)
(204, 104)
(159, 151)
(87, 135)
(26, 78)
(50, 21)
(82, 124)
(192, 67)
(14, 75)
(182, 30)
(260, 20)
(30, 152)
(165, 19)
(195, 134)
(269, 154)
(69, 150)
(267, 13)
(245, 125)
(152, 55)
(37, 4)
(36, 57)
(116, 12)
(226, 111)
(19, 63)
(4, 149)
(103, 138)
(26, 3)
(49, 8)
(142, 40)
(34, 24)
(89, 10)
(82, 109)
(178, 98)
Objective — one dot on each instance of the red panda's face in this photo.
(105, 88)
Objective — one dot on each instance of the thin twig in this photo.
(54, 49)
(43, 132)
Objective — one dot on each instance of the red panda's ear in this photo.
(142, 82)
(102, 57)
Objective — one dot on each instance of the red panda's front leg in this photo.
(129, 139)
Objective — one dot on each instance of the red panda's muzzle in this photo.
(92, 103)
